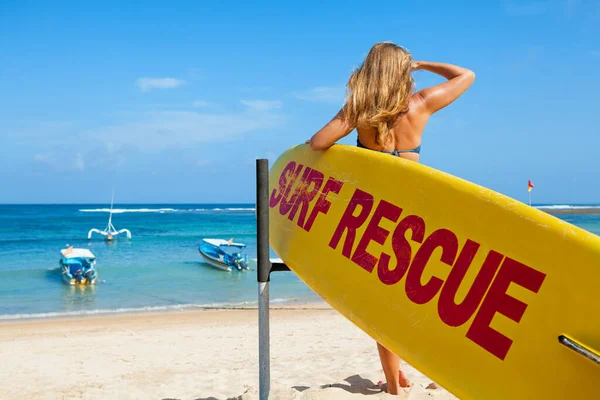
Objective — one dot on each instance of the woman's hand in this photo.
(415, 66)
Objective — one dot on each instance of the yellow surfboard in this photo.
(487, 296)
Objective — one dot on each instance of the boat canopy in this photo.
(225, 243)
(77, 253)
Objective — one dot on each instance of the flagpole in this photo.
(529, 198)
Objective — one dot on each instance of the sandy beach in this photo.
(194, 354)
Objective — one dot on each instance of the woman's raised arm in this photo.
(439, 96)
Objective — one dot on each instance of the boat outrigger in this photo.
(224, 254)
(78, 266)
(110, 232)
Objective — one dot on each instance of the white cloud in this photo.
(122, 141)
(200, 103)
(107, 157)
(322, 94)
(147, 84)
(262, 105)
(62, 165)
(163, 129)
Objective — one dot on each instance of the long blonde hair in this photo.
(380, 89)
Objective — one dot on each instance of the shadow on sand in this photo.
(355, 385)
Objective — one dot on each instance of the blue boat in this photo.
(78, 266)
(224, 254)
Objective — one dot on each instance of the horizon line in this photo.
(138, 203)
(232, 203)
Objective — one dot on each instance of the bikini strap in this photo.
(393, 152)
(415, 150)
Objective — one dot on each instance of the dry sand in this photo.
(200, 354)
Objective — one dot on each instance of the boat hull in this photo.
(83, 282)
(223, 255)
(215, 263)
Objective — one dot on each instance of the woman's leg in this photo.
(391, 368)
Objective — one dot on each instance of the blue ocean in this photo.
(159, 268)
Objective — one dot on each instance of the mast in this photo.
(110, 227)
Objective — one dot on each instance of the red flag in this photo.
(529, 185)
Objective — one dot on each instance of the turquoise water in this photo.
(160, 268)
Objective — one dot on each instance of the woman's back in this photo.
(405, 133)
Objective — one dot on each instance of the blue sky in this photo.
(173, 101)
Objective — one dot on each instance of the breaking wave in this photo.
(166, 210)
(567, 207)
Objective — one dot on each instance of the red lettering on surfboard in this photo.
(283, 184)
(356, 215)
(297, 190)
(287, 203)
(308, 190)
(402, 249)
(322, 205)
(375, 233)
(305, 190)
(350, 222)
(453, 314)
(497, 301)
(417, 292)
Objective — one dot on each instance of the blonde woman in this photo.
(390, 117)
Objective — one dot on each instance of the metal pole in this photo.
(264, 372)
(263, 271)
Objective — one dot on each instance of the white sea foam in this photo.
(181, 307)
(162, 210)
(566, 207)
(129, 210)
